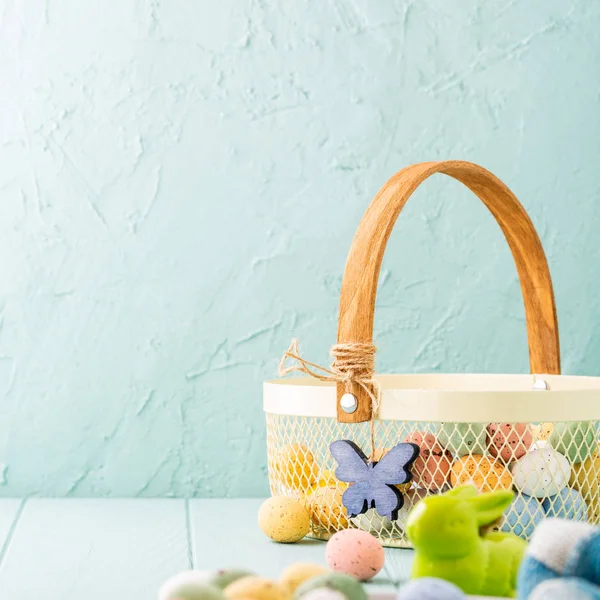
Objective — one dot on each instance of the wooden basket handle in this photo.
(359, 285)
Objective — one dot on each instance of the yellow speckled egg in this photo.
(283, 519)
(256, 588)
(296, 574)
(484, 473)
(585, 478)
(542, 431)
(295, 466)
(326, 509)
(328, 479)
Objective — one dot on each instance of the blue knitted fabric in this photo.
(562, 562)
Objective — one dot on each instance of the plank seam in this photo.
(11, 531)
(188, 531)
(389, 571)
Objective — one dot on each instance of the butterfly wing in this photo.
(388, 500)
(394, 467)
(356, 498)
(352, 463)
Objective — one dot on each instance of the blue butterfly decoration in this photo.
(373, 482)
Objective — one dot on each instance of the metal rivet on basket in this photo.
(348, 403)
(540, 384)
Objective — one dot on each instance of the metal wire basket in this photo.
(536, 434)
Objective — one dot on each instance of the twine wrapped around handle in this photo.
(353, 363)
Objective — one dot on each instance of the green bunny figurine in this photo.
(445, 533)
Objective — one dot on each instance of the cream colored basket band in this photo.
(453, 398)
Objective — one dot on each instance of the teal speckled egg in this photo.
(347, 587)
(576, 440)
(568, 504)
(462, 438)
(190, 585)
(522, 516)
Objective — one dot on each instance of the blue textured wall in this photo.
(179, 185)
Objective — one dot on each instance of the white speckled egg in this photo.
(190, 585)
(540, 445)
(373, 522)
(541, 473)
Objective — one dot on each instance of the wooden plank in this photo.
(398, 562)
(225, 534)
(94, 549)
(10, 511)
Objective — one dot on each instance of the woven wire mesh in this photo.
(553, 468)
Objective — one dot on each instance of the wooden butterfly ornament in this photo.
(373, 483)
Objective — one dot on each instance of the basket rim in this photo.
(450, 397)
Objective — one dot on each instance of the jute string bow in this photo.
(353, 363)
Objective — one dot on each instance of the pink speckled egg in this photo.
(356, 553)
(508, 441)
(432, 467)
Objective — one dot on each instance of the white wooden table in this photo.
(124, 549)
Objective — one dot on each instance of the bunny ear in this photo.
(491, 506)
(463, 492)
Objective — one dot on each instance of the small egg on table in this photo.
(284, 519)
(567, 504)
(431, 469)
(356, 553)
(256, 588)
(541, 473)
(190, 585)
(296, 574)
(430, 588)
(522, 516)
(576, 440)
(332, 586)
(508, 441)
